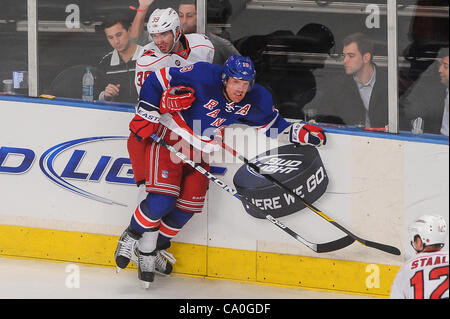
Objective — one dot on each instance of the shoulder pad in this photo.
(197, 38)
(149, 57)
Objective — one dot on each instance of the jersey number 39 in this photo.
(141, 76)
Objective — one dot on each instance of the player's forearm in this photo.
(137, 25)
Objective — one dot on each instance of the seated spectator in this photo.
(360, 96)
(428, 99)
(118, 66)
(187, 11)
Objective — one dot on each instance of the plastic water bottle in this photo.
(88, 86)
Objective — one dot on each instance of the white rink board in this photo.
(376, 187)
(31, 199)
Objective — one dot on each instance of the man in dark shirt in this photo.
(118, 66)
(187, 11)
(428, 98)
(359, 97)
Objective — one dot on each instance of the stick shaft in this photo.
(379, 246)
(319, 248)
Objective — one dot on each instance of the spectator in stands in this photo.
(187, 11)
(428, 99)
(443, 71)
(118, 66)
(360, 97)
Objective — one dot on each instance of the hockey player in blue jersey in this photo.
(188, 107)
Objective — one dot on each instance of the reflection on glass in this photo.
(117, 68)
(425, 83)
(417, 126)
(218, 12)
(307, 54)
(109, 36)
(80, 35)
(13, 53)
(327, 56)
(357, 97)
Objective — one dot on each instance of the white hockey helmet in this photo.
(432, 230)
(163, 20)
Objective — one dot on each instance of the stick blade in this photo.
(386, 248)
(335, 245)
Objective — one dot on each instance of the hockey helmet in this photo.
(163, 20)
(239, 67)
(432, 230)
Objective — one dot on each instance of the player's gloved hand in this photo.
(142, 128)
(177, 98)
(307, 134)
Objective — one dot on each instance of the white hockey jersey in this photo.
(197, 47)
(423, 277)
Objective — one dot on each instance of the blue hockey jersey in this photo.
(211, 111)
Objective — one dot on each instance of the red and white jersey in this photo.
(197, 47)
(423, 277)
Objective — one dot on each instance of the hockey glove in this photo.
(307, 134)
(142, 128)
(177, 98)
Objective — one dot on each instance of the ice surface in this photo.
(29, 279)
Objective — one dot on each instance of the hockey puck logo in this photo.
(298, 168)
(272, 164)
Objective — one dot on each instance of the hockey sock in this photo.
(170, 226)
(150, 211)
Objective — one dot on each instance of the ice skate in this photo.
(125, 249)
(146, 268)
(164, 261)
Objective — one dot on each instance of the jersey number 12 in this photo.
(417, 282)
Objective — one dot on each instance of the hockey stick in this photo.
(386, 248)
(318, 248)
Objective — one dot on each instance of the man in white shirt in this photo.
(365, 90)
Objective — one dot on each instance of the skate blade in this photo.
(161, 273)
(145, 284)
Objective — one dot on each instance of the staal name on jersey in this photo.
(429, 261)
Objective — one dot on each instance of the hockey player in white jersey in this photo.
(170, 47)
(426, 275)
